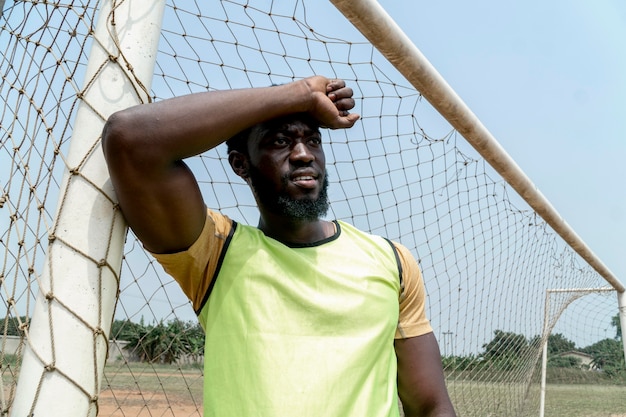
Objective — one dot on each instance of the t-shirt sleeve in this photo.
(413, 321)
(194, 268)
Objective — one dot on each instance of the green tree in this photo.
(608, 355)
(557, 343)
(11, 325)
(125, 329)
(564, 362)
(163, 342)
(194, 336)
(506, 349)
(615, 321)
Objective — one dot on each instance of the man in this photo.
(302, 316)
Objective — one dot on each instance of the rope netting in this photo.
(402, 172)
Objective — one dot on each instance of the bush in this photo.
(163, 342)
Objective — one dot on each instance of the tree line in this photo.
(167, 342)
(509, 351)
(164, 342)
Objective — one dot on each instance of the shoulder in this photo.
(194, 268)
(413, 320)
(217, 228)
(218, 224)
(406, 259)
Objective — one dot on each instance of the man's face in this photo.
(287, 170)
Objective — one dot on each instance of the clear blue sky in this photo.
(548, 80)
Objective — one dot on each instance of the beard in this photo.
(279, 202)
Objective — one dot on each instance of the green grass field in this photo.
(174, 381)
(585, 400)
(153, 388)
(472, 399)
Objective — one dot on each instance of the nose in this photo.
(301, 153)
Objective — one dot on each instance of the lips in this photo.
(305, 179)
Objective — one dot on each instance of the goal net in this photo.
(402, 172)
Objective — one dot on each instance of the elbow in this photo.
(132, 149)
(115, 137)
(122, 147)
(125, 143)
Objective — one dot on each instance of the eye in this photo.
(280, 141)
(277, 141)
(315, 140)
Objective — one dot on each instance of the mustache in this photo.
(279, 202)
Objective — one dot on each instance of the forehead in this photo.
(296, 122)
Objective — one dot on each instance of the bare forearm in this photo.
(188, 125)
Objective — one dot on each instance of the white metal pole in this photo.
(544, 355)
(621, 302)
(382, 31)
(67, 345)
(544, 370)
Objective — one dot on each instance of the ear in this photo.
(239, 163)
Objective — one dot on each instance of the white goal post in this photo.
(64, 359)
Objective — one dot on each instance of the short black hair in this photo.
(239, 142)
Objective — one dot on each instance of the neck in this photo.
(295, 230)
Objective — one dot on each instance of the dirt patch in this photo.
(141, 404)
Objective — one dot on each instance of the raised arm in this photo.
(145, 145)
(421, 384)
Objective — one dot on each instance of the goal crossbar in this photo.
(371, 20)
